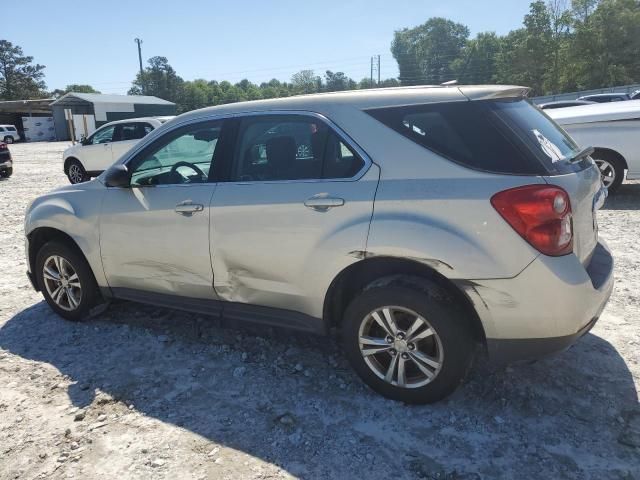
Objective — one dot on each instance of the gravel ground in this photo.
(144, 392)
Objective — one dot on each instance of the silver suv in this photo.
(416, 223)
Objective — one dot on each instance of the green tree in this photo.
(478, 63)
(306, 81)
(158, 79)
(74, 87)
(20, 78)
(338, 81)
(425, 54)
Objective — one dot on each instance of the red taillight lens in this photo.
(3, 146)
(541, 214)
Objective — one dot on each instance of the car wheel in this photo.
(611, 170)
(8, 139)
(6, 173)
(76, 172)
(406, 338)
(66, 280)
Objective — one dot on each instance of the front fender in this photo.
(75, 212)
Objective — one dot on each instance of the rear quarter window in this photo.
(508, 136)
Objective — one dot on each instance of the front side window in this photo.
(290, 147)
(1, 129)
(182, 156)
(104, 135)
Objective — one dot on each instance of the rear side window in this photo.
(291, 147)
(11, 129)
(131, 131)
(502, 136)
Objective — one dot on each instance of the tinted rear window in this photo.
(502, 136)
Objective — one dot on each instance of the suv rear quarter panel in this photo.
(430, 209)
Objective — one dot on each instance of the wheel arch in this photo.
(41, 235)
(67, 162)
(354, 278)
(612, 153)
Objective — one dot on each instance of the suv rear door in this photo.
(127, 135)
(296, 199)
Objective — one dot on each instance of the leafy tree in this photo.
(425, 54)
(338, 81)
(20, 78)
(306, 81)
(158, 79)
(74, 87)
(478, 63)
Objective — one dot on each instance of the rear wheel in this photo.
(8, 139)
(76, 172)
(6, 173)
(407, 340)
(611, 170)
(66, 280)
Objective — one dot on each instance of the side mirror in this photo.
(117, 176)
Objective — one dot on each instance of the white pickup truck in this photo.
(613, 129)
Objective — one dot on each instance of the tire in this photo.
(86, 297)
(610, 167)
(451, 343)
(6, 173)
(76, 172)
(8, 139)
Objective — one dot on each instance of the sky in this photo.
(93, 42)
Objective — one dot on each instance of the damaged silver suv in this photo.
(418, 224)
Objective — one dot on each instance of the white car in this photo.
(96, 153)
(613, 129)
(9, 134)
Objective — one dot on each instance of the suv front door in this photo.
(96, 150)
(154, 235)
(296, 201)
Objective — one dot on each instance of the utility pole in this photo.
(375, 66)
(139, 42)
(371, 78)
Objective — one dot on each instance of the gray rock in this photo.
(239, 372)
(79, 416)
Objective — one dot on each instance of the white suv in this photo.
(9, 134)
(95, 154)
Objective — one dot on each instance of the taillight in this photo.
(541, 214)
(3, 146)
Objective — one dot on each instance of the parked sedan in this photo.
(9, 134)
(564, 104)
(94, 154)
(613, 129)
(418, 223)
(6, 162)
(606, 97)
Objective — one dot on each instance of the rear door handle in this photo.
(188, 208)
(322, 204)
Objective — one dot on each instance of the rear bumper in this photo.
(546, 308)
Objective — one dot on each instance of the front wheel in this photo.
(76, 172)
(66, 280)
(8, 139)
(408, 340)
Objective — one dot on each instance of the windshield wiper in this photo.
(585, 152)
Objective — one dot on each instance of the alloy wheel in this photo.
(400, 347)
(75, 173)
(62, 282)
(607, 172)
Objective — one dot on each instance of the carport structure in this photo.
(92, 110)
(13, 111)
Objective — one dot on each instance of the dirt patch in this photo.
(143, 392)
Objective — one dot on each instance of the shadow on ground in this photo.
(626, 198)
(234, 387)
